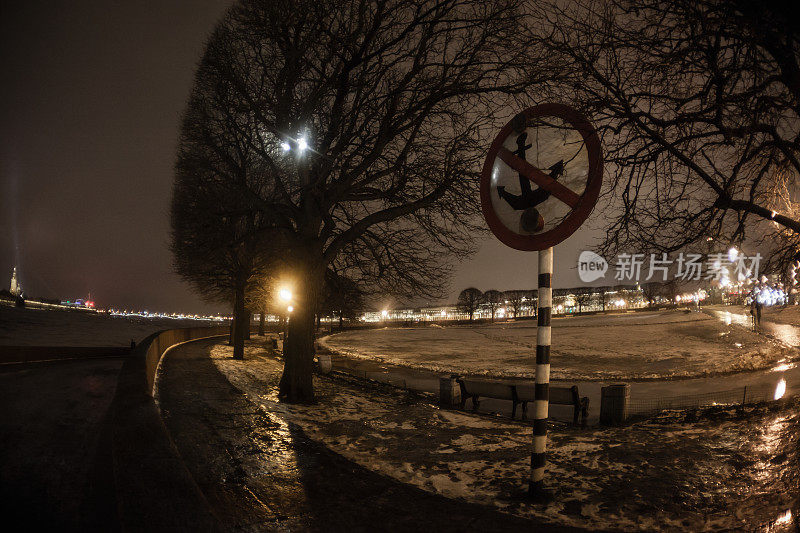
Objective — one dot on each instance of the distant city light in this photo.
(286, 146)
(733, 253)
(384, 313)
(302, 144)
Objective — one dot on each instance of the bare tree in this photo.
(218, 244)
(651, 290)
(604, 294)
(343, 298)
(371, 118)
(697, 102)
(583, 295)
(515, 299)
(469, 300)
(494, 299)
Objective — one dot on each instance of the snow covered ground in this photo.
(728, 471)
(51, 327)
(629, 346)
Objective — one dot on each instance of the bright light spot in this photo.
(737, 344)
(783, 367)
(302, 144)
(733, 253)
(285, 146)
(290, 308)
(560, 308)
(678, 298)
(384, 313)
(785, 518)
(780, 390)
(285, 295)
(444, 313)
(772, 214)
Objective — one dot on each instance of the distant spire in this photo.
(16, 288)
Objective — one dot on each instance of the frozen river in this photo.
(32, 326)
(641, 346)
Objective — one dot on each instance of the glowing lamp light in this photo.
(285, 295)
(384, 313)
(444, 313)
(780, 389)
(302, 144)
(290, 308)
(733, 253)
(285, 146)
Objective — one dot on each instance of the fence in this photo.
(738, 396)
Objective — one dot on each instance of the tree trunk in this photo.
(240, 319)
(341, 321)
(249, 319)
(297, 383)
(261, 321)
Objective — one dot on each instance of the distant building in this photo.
(16, 288)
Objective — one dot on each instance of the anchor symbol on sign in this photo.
(529, 197)
(527, 201)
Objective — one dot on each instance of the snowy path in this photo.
(727, 472)
(260, 472)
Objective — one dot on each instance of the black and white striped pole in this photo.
(542, 388)
(533, 220)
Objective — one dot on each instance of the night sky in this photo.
(90, 102)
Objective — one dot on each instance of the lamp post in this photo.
(286, 296)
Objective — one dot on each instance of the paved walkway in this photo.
(260, 472)
(55, 454)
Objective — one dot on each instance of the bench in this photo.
(522, 394)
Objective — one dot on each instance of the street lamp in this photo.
(285, 295)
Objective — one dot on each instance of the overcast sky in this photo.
(90, 101)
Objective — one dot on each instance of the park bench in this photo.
(522, 394)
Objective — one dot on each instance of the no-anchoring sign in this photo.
(541, 177)
(540, 182)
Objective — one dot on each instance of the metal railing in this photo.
(730, 397)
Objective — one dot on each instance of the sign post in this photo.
(542, 387)
(555, 148)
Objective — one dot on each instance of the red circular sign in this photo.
(580, 205)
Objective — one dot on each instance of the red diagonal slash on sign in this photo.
(539, 178)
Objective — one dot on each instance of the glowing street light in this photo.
(384, 313)
(290, 308)
(733, 253)
(286, 146)
(285, 295)
(302, 144)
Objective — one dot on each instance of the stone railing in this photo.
(154, 489)
(157, 344)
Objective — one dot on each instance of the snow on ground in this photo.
(32, 326)
(630, 346)
(727, 471)
(784, 314)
